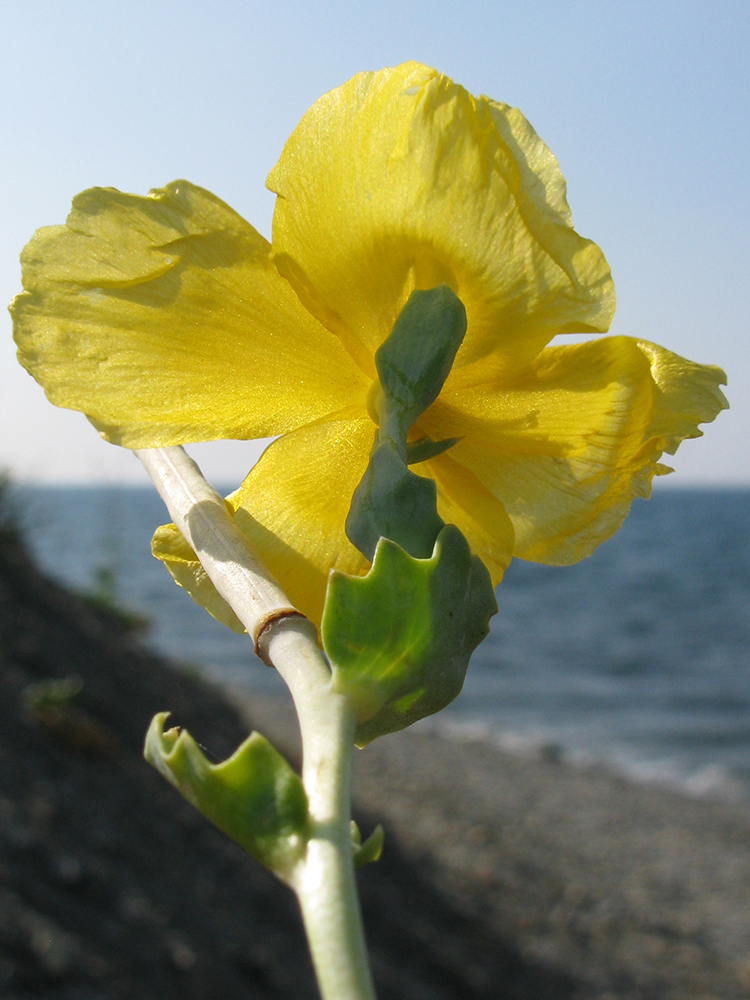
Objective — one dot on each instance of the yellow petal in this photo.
(292, 506)
(401, 179)
(568, 445)
(164, 320)
(462, 500)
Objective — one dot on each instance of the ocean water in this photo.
(637, 658)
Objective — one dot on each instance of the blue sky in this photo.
(644, 104)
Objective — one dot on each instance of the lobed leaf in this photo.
(399, 639)
(254, 796)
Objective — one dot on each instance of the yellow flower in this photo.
(168, 319)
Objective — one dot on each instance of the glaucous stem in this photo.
(324, 879)
(325, 883)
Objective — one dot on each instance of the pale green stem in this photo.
(325, 883)
(324, 880)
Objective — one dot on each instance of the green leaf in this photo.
(254, 797)
(393, 502)
(414, 361)
(372, 848)
(424, 448)
(399, 639)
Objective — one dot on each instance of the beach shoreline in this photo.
(612, 880)
(502, 876)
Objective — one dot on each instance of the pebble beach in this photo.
(502, 876)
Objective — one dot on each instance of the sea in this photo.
(636, 659)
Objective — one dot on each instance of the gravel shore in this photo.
(631, 890)
(502, 877)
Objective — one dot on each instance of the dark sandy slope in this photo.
(502, 878)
